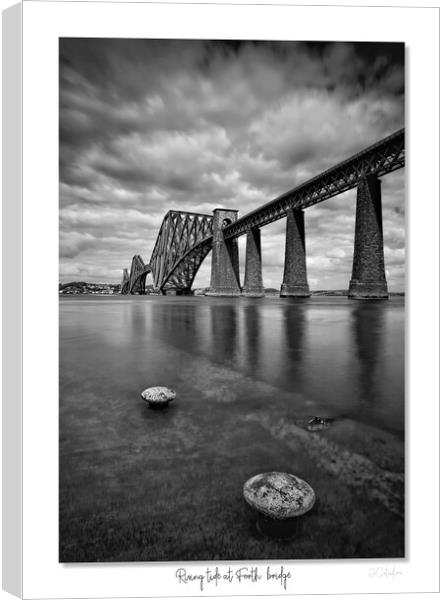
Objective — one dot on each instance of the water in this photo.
(245, 371)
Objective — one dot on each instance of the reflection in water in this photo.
(224, 327)
(178, 326)
(252, 338)
(138, 317)
(295, 327)
(367, 323)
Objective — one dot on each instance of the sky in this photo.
(148, 126)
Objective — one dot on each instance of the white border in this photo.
(43, 23)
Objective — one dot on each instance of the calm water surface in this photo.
(244, 371)
(343, 356)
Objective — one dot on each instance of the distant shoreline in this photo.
(76, 288)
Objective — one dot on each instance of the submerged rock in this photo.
(279, 495)
(318, 423)
(348, 467)
(158, 397)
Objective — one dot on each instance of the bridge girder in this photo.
(178, 251)
(381, 158)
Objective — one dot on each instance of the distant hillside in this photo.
(78, 284)
(82, 287)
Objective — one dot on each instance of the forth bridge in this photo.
(186, 238)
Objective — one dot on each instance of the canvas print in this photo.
(231, 300)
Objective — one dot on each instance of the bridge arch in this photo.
(133, 282)
(181, 276)
(179, 250)
(138, 286)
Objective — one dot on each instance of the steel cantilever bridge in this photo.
(185, 238)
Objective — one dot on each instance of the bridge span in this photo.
(185, 239)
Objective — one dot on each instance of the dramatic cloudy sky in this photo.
(147, 126)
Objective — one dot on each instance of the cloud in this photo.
(325, 128)
(152, 125)
(71, 243)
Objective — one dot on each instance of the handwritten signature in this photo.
(384, 573)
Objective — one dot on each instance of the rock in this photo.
(318, 424)
(158, 397)
(279, 495)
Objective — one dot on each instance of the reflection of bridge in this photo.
(185, 239)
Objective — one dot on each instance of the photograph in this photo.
(231, 300)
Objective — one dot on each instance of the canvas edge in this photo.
(12, 300)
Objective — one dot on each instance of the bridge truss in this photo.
(179, 251)
(134, 282)
(125, 285)
(379, 159)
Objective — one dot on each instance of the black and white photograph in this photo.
(231, 300)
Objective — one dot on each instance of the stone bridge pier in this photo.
(224, 279)
(368, 270)
(253, 277)
(295, 276)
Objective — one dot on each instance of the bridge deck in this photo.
(381, 158)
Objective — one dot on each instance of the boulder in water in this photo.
(279, 498)
(158, 397)
(279, 495)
